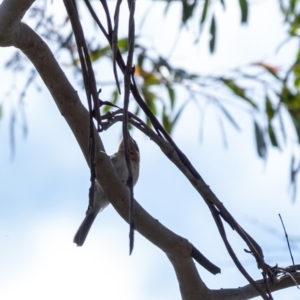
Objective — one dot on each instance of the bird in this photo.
(100, 200)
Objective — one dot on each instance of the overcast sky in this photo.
(43, 190)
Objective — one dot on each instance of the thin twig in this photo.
(127, 84)
(90, 88)
(195, 178)
(115, 42)
(287, 240)
(108, 19)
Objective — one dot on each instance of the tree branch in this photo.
(248, 292)
(177, 248)
(11, 12)
(259, 286)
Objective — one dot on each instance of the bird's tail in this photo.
(84, 228)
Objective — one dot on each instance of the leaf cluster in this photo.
(266, 91)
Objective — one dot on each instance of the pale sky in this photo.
(43, 190)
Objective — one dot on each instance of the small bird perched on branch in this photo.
(100, 199)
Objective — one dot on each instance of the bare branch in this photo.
(177, 248)
(248, 292)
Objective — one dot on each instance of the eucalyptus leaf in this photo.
(261, 146)
(229, 117)
(244, 11)
(171, 93)
(272, 135)
(212, 42)
(204, 11)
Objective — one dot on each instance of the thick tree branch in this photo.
(11, 12)
(248, 292)
(195, 178)
(177, 248)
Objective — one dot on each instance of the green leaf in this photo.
(168, 125)
(148, 122)
(272, 135)
(212, 42)
(115, 96)
(180, 75)
(294, 172)
(273, 70)
(292, 169)
(260, 141)
(167, 6)
(287, 96)
(163, 62)
(244, 11)
(223, 132)
(296, 122)
(269, 108)
(149, 99)
(141, 58)
(281, 124)
(150, 79)
(137, 111)
(292, 5)
(171, 93)
(204, 11)
(297, 82)
(123, 44)
(1, 111)
(187, 10)
(238, 90)
(229, 117)
(180, 110)
(193, 76)
(223, 4)
(98, 53)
